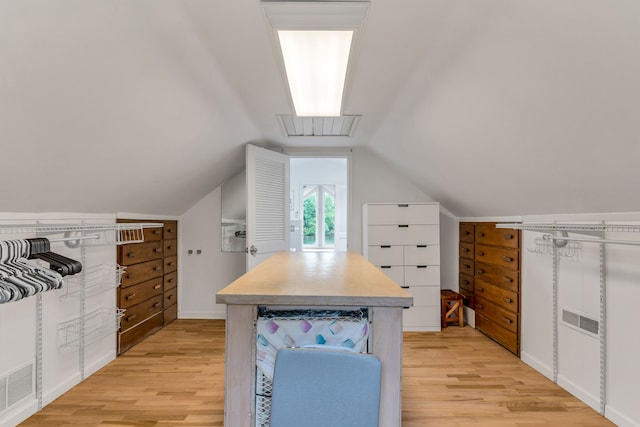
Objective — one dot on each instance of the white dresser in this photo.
(403, 240)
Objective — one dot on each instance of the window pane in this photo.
(309, 221)
(329, 220)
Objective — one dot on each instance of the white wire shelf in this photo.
(97, 279)
(89, 328)
(85, 234)
(550, 227)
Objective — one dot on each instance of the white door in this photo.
(267, 204)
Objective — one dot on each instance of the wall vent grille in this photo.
(581, 322)
(16, 386)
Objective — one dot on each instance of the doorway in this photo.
(319, 204)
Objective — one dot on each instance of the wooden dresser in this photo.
(490, 280)
(148, 290)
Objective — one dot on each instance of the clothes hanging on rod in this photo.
(21, 278)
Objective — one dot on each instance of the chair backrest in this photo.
(325, 388)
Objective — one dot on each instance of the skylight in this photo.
(316, 67)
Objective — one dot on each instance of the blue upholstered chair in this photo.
(325, 388)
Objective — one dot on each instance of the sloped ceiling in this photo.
(492, 107)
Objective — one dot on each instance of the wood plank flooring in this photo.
(457, 377)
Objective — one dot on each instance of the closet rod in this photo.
(580, 239)
(73, 239)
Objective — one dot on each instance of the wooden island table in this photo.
(311, 280)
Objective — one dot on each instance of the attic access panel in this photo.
(318, 126)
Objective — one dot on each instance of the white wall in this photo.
(201, 276)
(578, 352)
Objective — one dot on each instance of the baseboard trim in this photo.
(18, 413)
(619, 418)
(536, 364)
(579, 392)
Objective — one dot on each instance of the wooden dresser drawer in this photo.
(466, 282)
(504, 257)
(135, 294)
(170, 297)
(504, 337)
(136, 253)
(466, 266)
(488, 234)
(499, 276)
(403, 214)
(466, 250)
(141, 312)
(467, 233)
(170, 264)
(152, 234)
(170, 280)
(469, 298)
(170, 248)
(149, 234)
(422, 255)
(500, 316)
(134, 335)
(170, 230)
(141, 272)
(501, 297)
(385, 255)
(170, 314)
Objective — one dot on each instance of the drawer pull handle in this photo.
(466, 250)
(507, 320)
(481, 234)
(156, 287)
(404, 287)
(156, 250)
(507, 259)
(481, 289)
(480, 306)
(170, 297)
(131, 254)
(508, 279)
(385, 246)
(170, 280)
(169, 230)
(481, 271)
(130, 296)
(385, 266)
(156, 305)
(169, 247)
(467, 266)
(508, 236)
(421, 246)
(466, 282)
(156, 268)
(480, 253)
(467, 232)
(507, 300)
(130, 276)
(130, 318)
(403, 205)
(157, 231)
(169, 263)
(403, 225)
(421, 266)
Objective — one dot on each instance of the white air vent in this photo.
(318, 126)
(581, 322)
(16, 386)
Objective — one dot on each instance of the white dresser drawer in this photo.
(395, 273)
(386, 255)
(426, 296)
(404, 214)
(421, 318)
(422, 255)
(404, 234)
(419, 276)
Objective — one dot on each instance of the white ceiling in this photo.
(492, 107)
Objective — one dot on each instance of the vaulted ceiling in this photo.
(492, 107)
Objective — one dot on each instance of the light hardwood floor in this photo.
(457, 377)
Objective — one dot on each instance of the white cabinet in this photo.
(403, 241)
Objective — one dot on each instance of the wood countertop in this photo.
(315, 279)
